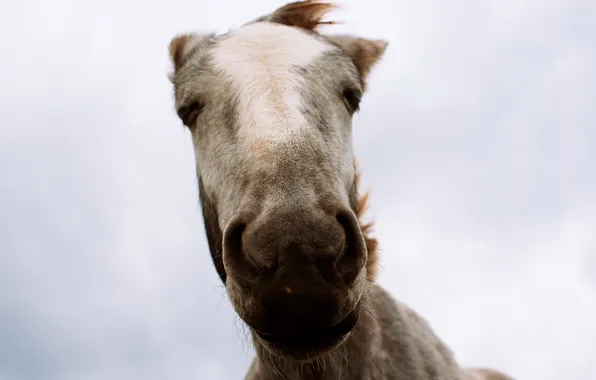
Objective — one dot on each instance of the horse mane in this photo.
(367, 229)
(307, 14)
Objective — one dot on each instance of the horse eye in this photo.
(352, 99)
(188, 114)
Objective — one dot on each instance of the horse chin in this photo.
(302, 352)
(308, 346)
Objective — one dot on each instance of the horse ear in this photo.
(365, 53)
(182, 45)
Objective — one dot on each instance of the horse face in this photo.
(269, 107)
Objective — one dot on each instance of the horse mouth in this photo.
(308, 344)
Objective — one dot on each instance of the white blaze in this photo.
(261, 60)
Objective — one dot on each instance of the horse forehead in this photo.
(261, 61)
(263, 52)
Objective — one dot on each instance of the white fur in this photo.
(260, 58)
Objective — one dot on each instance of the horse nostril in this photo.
(344, 221)
(234, 238)
(234, 255)
(353, 256)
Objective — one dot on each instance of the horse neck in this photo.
(347, 361)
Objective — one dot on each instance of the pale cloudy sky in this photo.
(477, 137)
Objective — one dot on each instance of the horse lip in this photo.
(336, 332)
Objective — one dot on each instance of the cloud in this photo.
(477, 138)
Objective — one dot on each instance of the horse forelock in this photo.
(307, 15)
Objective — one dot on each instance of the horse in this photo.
(269, 107)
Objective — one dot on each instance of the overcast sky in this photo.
(477, 137)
